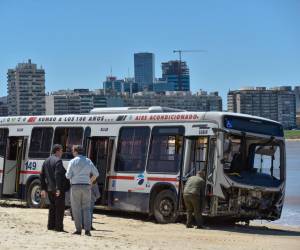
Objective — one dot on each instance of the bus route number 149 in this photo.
(30, 165)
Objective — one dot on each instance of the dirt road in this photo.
(23, 228)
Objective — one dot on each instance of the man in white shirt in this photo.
(79, 171)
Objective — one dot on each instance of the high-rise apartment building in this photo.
(176, 74)
(26, 90)
(144, 70)
(277, 104)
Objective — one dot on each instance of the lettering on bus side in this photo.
(166, 117)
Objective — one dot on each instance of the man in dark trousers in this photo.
(193, 196)
(55, 184)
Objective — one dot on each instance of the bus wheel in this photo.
(164, 208)
(34, 194)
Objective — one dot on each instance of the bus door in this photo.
(199, 156)
(210, 175)
(99, 150)
(14, 159)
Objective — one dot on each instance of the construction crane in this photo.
(179, 51)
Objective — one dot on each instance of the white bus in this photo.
(145, 154)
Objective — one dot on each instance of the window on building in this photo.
(67, 137)
(132, 149)
(165, 154)
(40, 143)
(3, 140)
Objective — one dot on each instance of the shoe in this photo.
(88, 233)
(201, 227)
(61, 231)
(51, 229)
(93, 229)
(77, 232)
(188, 226)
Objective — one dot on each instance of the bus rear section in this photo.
(12, 160)
(24, 148)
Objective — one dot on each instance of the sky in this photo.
(247, 43)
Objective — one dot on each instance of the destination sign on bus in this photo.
(251, 125)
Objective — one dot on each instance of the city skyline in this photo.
(26, 88)
(247, 44)
(124, 77)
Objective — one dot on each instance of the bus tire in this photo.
(164, 207)
(33, 196)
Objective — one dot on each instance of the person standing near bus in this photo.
(79, 171)
(193, 195)
(55, 184)
(95, 195)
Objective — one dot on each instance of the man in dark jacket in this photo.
(193, 196)
(54, 183)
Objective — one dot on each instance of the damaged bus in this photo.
(144, 156)
(247, 180)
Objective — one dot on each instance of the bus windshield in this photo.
(253, 161)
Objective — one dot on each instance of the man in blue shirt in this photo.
(79, 171)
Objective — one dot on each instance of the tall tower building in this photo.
(144, 70)
(26, 90)
(176, 73)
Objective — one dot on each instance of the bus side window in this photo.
(12, 149)
(67, 137)
(132, 149)
(87, 134)
(3, 140)
(165, 155)
(40, 143)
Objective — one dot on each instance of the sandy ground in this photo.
(26, 228)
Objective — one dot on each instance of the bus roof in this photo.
(134, 110)
(216, 115)
(128, 114)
